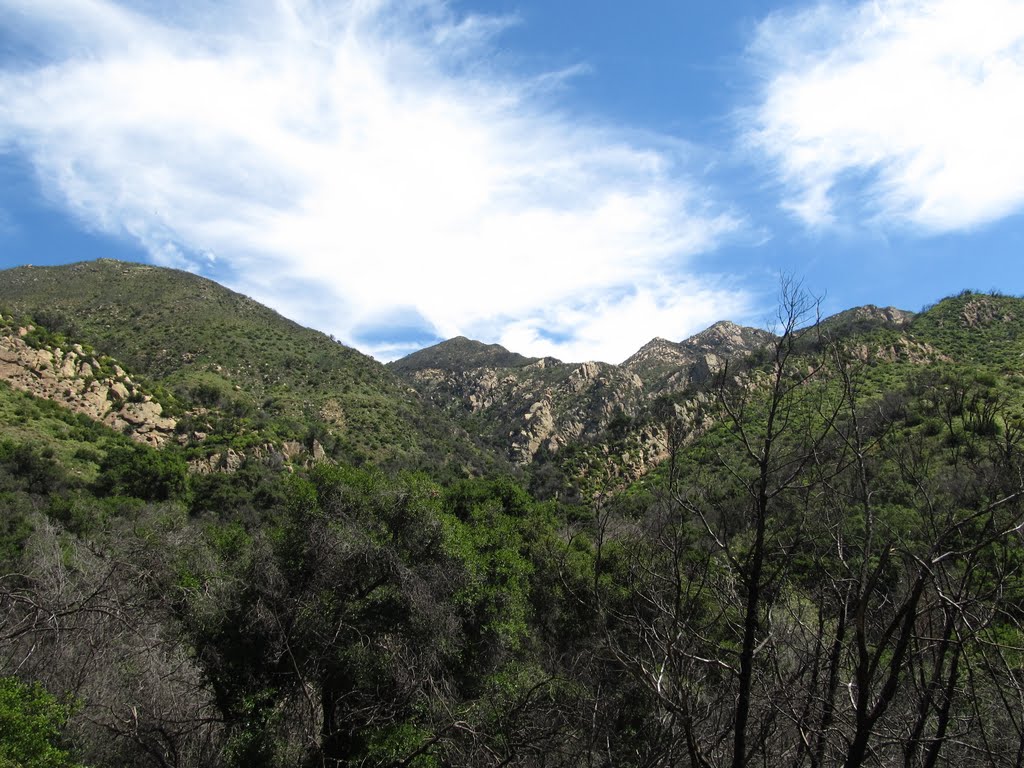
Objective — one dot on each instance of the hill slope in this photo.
(251, 370)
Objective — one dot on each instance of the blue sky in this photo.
(563, 177)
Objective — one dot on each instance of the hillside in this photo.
(587, 427)
(225, 376)
(600, 427)
(230, 366)
(820, 555)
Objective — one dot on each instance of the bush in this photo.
(31, 720)
(35, 469)
(143, 473)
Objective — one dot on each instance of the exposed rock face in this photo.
(902, 350)
(527, 407)
(537, 404)
(538, 426)
(283, 456)
(79, 382)
(980, 311)
(668, 366)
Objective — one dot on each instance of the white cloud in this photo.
(369, 149)
(907, 110)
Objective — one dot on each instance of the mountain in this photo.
(841, 502)
(518, 405)
(586, 426)
(668, 366)
(600, 426)
(228, 378)
(460, 353)
(231, 369)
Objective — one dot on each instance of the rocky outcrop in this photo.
(542, 404)
(538, 428)
(865, 318)
(903, 350)
(84, 383)
(981, 311)
(531, 408)
(528, 406)
(668, 366)
(284, 455)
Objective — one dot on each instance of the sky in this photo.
(563, 177)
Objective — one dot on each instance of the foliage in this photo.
(31, 721)
(143, 473)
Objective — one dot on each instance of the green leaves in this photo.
(144, 473)
(31, 721)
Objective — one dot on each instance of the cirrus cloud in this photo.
(908, 111)
(351, 161)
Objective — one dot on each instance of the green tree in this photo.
(143, 473)
(31, 721)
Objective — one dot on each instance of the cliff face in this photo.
(521, 409)
(527, 406)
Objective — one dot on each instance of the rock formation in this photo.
(84, 383)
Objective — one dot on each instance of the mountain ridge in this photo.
(241, 377)
(198, 345)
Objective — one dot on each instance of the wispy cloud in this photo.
(908, 112)
(348, 161)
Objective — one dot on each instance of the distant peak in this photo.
(868, 314)
(729, 333)
(461, 354)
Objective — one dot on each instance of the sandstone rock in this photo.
(94, 401)
(538, 424)
(55, 376)
(147, 413)
(318, 451)
(582, 376)
(205, 465)
(231, 460)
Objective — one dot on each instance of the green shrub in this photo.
(31, 720)
(143, 473)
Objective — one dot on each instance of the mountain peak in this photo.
(868, 315)
(460, 354)
(660, 360)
